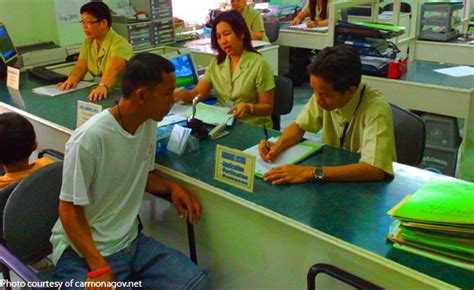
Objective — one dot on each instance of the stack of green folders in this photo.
(437, 222)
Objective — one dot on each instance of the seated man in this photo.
(103, 52)
(17, 141)
(352, 115)
(252, 18)
(108, 165)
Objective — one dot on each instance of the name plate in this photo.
(85, 111)
(235, 168)
(13, 78)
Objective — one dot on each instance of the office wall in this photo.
(29, 21)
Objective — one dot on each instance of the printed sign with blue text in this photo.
(85, 111)
(235, 168)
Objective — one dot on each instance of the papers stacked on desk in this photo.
(437, 222)
(293, 155)
(53, 91)
(303, 26)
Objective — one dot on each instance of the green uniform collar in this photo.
(347, 112)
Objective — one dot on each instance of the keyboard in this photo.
(47, 75)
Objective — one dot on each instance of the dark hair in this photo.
(99, 10)
(312, 9)
(17, 138)
(339, 65)
(144, 69)
(238, 25)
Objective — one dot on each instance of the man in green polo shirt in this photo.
(103, 52)
(352, 115)
(252, 18)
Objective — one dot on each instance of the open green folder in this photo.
(293, 155)
(440, 201)
(381, 26)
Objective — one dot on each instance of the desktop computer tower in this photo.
(442, 144)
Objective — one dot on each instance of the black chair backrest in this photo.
(410, 136)
(283, 101)
(31, 212)
(404, 7)
(4, 195)
(272, 29)
(339, 274)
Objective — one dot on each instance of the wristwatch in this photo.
(318, 174)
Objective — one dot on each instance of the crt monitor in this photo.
(186, 76)
(7, 50)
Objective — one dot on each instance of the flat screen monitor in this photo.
(186, 76)
(7, 50)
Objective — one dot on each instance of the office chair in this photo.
(410, 136)
(30, 212)
(4, 195)
(404, 7)
(339, 274)
(283, 101)
(272, 30)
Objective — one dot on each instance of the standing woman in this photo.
(239, 75)
(317, 11)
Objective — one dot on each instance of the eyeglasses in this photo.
(89, 23)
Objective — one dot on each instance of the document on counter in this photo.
(457, 71)
(212, 115)
(303, 26)
(293, 155)
(53, 91)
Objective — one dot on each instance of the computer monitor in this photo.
(7, 51)
(186, 76)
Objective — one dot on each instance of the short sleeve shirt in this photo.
(254, 21)
(114, 45)
(105, 171)
(252, 76)
(318, 10)
(370, 130)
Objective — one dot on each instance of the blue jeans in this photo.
(145, 260)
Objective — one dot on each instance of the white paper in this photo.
(303, 26)
(68, 11)
(179, 108)
(171, 119)
(286, 157)
(259, 43)
(457, 72)
(52, 90)
(212, 115)
(178, 139)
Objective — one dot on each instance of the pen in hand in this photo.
(265, 133)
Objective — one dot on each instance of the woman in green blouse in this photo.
(317, 12)
(239, 76)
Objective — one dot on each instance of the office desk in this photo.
(203, 53)
(268, 239)
(455, 52)
(425, 90)
(303, 38)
